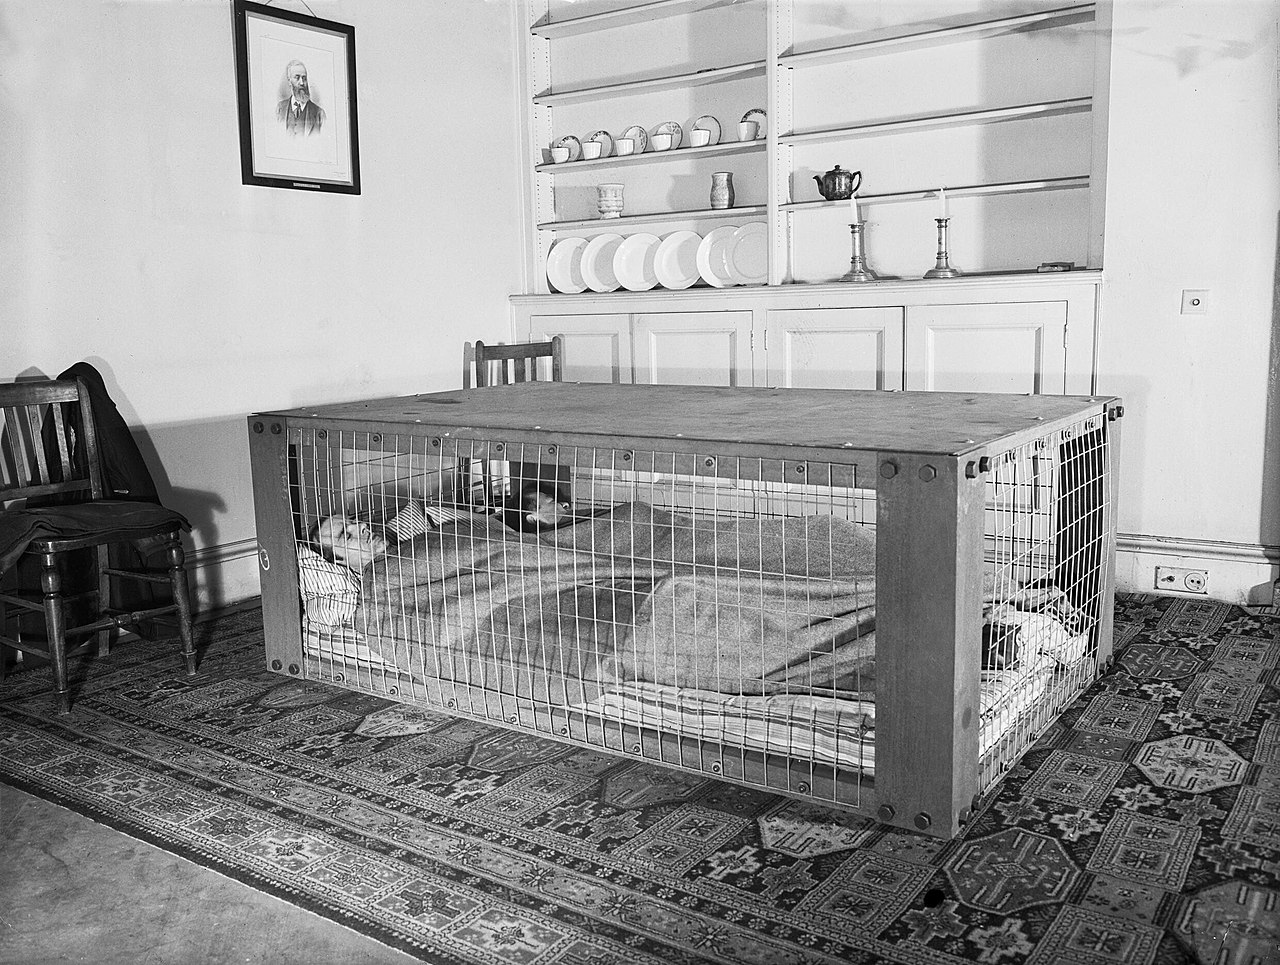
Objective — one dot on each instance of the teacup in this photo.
(747, 130)
(699, 137)
(559, 155)
(660, 142)
(624, 145)
(590, 150)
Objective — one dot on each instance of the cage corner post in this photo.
(929, 526)
(277, 555)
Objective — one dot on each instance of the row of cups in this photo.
(636, 140)
(622, 146)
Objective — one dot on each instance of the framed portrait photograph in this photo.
(296, 86)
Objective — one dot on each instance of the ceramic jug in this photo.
(838, 184)
(722, 189)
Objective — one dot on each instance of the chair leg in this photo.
(51, 584)
(104, 597)
(182, 599)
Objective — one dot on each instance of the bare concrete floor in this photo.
(75, 891)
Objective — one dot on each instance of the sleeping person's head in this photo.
(353, 543)
(537, 506)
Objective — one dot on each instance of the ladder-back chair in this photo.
(496, 365)
(505, 364)
(52, 503)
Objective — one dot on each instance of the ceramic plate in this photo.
(711, 257)
(564, 266)
(633, 262)
(672, 128)
(759, 116)
(597, 262)
(708, 123)
(573, 144)
(604, 140)
(640, 136)
(747, 256)
(676, 260)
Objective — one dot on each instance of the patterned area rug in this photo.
(1143, 828)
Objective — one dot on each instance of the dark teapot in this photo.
(838, 184)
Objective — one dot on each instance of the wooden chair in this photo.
(52, 503)
(497, 365)
(504, 364)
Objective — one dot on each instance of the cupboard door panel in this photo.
(597, 348)
(834, 348)
(1015, 347)
(693, 348)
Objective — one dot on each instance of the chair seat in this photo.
(58, 529)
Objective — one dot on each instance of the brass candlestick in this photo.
(858, 270)
(943, 269)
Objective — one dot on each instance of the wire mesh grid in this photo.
(1047, 537)
(711, 613)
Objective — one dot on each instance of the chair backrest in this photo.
(504, 364)
(48, 445)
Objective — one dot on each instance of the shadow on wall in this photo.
(1270, 521)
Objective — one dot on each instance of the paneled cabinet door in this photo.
(1017, 347)
(834, 348)
(597, 348)
(693, 348)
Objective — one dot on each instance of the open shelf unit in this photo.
(1002, 102)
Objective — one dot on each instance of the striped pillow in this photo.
(330, 591)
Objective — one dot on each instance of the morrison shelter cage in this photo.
(872, 600)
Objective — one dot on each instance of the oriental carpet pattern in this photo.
(1143, 828)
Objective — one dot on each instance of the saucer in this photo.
(639, 135)
(573, 144)
(604, 140)
(672, 128)
(759, 116)
(708, 123)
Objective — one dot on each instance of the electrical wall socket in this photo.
(1182, 579)
(1195, 301)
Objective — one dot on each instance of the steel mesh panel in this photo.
(1047, 535)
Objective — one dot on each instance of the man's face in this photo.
(298, 81)
(351, 542)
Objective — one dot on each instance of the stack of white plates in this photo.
(729, 255)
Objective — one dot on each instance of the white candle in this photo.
(853, 208)
(942, 194)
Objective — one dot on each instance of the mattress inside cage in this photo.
(716, 614)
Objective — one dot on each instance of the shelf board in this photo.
(990, 115)
(938, 36)
(694, 78)
(956, 191)
(701, 214)
(607, 19)
(732, 147)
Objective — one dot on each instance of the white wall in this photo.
(127, 238)
(1192, 199)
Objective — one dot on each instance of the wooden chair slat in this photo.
(16, 434)
(35, 423)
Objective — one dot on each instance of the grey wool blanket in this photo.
(750, 606)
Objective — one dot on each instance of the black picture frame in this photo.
(296, 135)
